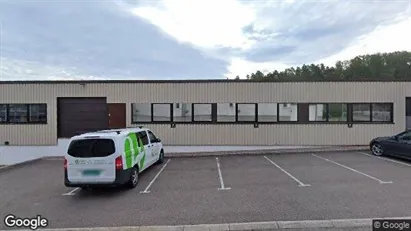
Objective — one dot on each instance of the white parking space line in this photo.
(220, 175)
(354, 170)
(384, 158)
(71, 193)
(155, 177)
(301, 184)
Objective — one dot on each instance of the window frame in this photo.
(203, 121)
(230, 105)
(391, 112)
(246, 121)
(27, 108)
(180, 106)
(327, 119)
(170, 105)
(288, 121)
(141, 122)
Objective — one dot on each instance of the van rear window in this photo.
(91, 148)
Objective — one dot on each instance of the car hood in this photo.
(382, 138)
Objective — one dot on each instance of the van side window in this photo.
(143, 136)
(151, 136)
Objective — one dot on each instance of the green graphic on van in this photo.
(132, 148)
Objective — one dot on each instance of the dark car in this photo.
(398, 145)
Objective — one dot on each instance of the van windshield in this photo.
(91, 148)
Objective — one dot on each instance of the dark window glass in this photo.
(91, 148)
(317, 112)
(405, 136)
(151, 136)
(267, 112)
(161, 112)
(38, 113)
(246, 112)
(225, 112)
(143, 136)
(202, 112)
(182, 112)
(381, 112)
(337, 112)
(361, 112)
(141, 112)
(3, 113)
(18, 113)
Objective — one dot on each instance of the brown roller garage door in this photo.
(79, 115)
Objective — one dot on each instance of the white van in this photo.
(111, 157)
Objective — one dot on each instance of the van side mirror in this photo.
(157, 140)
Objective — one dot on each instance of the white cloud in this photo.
(310, 30)
(390, 38)
(243, 67)
(12, 69)
(207, 24)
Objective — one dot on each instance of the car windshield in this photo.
(91, 148)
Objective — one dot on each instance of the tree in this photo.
(379, 66)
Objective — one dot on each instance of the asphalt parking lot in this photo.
(202, 190)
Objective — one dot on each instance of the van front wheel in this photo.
(160, 157)
(133, 181)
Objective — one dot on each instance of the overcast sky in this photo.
(190, 39)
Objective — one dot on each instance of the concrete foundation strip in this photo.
(270, 225)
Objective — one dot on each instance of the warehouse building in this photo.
(206, 112)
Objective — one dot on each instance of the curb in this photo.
(270, 225)
(228, 153)
(266, 151)
(10, 166)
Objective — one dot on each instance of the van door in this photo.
(155, 145)
(91, 160)
(146, 160)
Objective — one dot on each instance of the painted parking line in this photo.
(155, 177)
(71, 193)
(385, 158)
(354, 170)
(220, 175)
(301, 184)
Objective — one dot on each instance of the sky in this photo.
(190, 39)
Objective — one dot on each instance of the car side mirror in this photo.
(394, 137)
(156, 140)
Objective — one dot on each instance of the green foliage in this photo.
(379, 67)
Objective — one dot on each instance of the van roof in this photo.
(113, 132)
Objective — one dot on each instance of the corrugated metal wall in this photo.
(203, 92)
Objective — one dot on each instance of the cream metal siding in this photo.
(210, 92)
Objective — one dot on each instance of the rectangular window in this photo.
(267, 112)
(225, 112)
(161, 112)
(143, 136)
(3, 113)
(288, 112)
(91, 148)
(38, 113)
(18, 113)
(382, 112)
(182, 112)
(202, 112)
(141, 112)
(246, 112)
(337, 112)
(361, 112)
(317, 112)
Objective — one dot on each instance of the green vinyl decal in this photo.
(133, 146)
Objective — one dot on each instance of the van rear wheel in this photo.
(133, 181)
